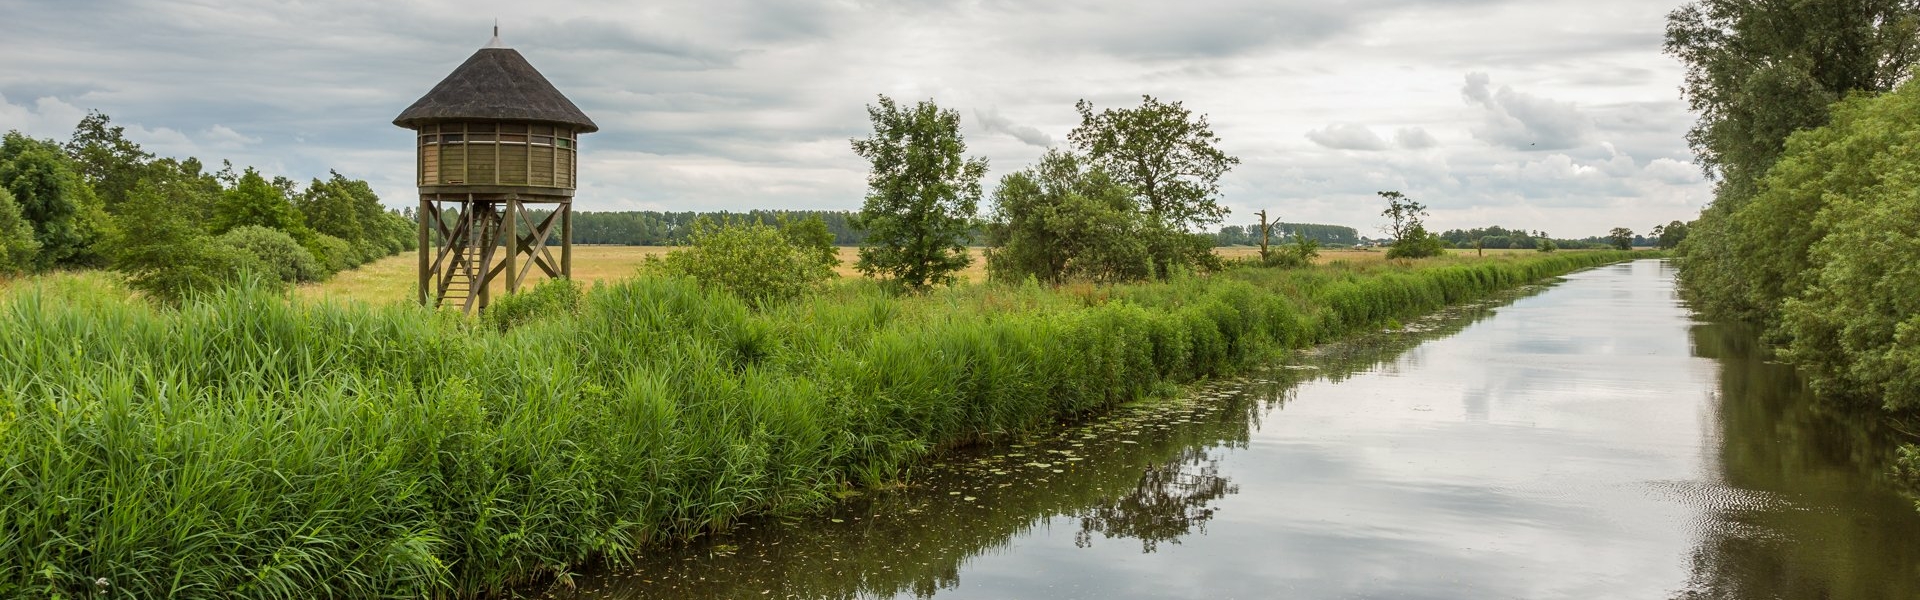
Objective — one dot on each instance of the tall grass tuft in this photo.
(245, 446)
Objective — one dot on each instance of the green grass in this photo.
(247, 446)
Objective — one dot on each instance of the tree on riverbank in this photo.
(1756, 73)
(1065, 218)
(1621, 238)
(1171, 161)
(1406, 222)
(922, 193)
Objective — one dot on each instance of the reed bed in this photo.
(246, 446)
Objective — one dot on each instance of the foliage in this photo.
(52, 197)
(1669, 236)
(205, 451)
(922, 193)
(1161, 151)
(1063, 218)
(1298, 254)
(811, 235)
(168, 258)
(1759, 71)
(1249, 235)
(1621, 238)
(255, 201)
(654, 228)
(551, 298)
(1406, 222)
(17, 244)
(333, 254)
(1403, 215)
(1823, 252)
(1547, 245)
(281, 256)
(1417, 243)
(109, 162)
(752, 261)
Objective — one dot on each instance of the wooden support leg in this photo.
(426, 209)
(566, 239)
(512, 230)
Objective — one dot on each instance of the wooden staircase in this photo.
(466, 270)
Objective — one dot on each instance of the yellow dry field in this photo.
(397, 277)
(394, 278)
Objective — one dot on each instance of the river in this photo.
(1584, 439)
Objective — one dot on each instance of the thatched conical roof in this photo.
(496, 83)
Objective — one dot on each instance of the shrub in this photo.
(279, 255)
(17, 245)
(811, 235)
(1416, 243)
(333, 254)
(1292, 256)
(751, 260)
(550, 298)
(168, 258)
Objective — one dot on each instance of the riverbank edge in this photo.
(457, 491)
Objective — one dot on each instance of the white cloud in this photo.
(1523, 121)
(1674, 172)
(1347, 136)
(991, 121)
(46, 117)
(1414, 138)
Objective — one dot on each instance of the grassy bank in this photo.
(246, 446)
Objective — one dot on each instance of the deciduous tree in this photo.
(922, 193)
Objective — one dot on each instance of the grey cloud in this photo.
(991, 121)
(1523, 121)
(1414, 138)
(1347, 136)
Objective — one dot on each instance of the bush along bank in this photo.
(242, 445)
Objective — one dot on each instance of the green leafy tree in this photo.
(108, 161)
(1063, 218)
(1406, 222)
(17, 244)
(255, 201)
(1757, 71)
(1621, 238)
(922, 193)
(1166, 155)
(812, 235)
(1546, 243)
(52, 197)
(166, 257)
(753, 261)
(1670, 235)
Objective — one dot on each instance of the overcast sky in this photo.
(1560, 115)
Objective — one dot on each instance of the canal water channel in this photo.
(1584, 439)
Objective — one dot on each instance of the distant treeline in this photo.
(1496, 238)
(1249, 235)
(654, 228)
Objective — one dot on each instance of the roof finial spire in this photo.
(495, 42)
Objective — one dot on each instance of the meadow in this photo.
(393, 278)
(242, 445)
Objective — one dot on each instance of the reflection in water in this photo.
(1834, 530)
(1170, 501)
(1590, 441)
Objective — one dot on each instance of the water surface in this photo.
(1587, 440)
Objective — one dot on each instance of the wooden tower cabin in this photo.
(497, 164)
